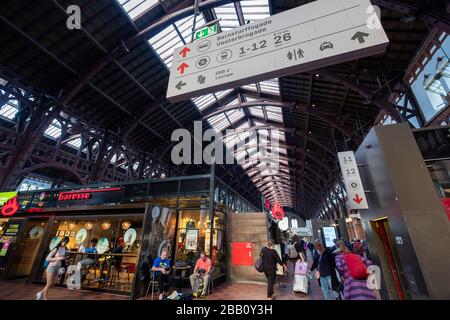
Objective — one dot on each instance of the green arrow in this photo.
(180, 85)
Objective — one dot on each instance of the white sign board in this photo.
(311, 36)
(329, 234)
(352, 180)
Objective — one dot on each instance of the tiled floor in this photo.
(283, 291)
(20, 290)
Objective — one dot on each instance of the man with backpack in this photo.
(353, 270)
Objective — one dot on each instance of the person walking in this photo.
(270, 259)
(325, 264)
(56, 260)
(299, 246)
(354, 289)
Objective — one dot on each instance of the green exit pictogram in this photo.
(206, 32)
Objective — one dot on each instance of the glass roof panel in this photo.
(255, 9)
(9, 110)
(204, 102)
(53, 130)
(227, 14)
(270, 86)
(76, 143)
(135, 7)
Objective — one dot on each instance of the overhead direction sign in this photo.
(308, 37)
(352, 180)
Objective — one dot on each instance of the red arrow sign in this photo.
(182, 67)
(357, 199)
(184, 52)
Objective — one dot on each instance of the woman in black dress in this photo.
(270, 259)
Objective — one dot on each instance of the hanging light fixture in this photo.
(106, 225)
(89, 226)
(126, 225)
(71, 226)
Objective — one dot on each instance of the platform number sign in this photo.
(352, 180)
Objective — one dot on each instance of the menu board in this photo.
(8, 238)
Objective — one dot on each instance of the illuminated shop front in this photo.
(128, 222)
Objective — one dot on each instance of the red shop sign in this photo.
(10, 207)
(82, 194)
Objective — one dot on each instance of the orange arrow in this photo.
(357, 199)
(182, 67)
(184, 52)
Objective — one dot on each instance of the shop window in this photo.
(107, 250)
(193, 202)
(193, 229)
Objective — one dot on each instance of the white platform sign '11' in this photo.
(308, 37)
(352, 180)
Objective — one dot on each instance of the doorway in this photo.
(393, 274)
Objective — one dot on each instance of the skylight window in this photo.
(9, 110)
(204, 102)
(53, 130)
(135, 7)
(168, 39)
(257, 112)
(75, 143)
(274, 113)
(228, 17)
(255, 9)
(270, 86)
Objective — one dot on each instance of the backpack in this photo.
(292, 252)
(197, 289)
(356, 267)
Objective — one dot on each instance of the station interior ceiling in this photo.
(110, 78)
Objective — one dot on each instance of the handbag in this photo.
(46, 261)
(259, 265)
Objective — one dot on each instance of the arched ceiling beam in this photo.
(286, 105)
(431, 14)
(176, 13)
(380, 102)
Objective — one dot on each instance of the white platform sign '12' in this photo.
(352, 180)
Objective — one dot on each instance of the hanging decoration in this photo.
(277, 211)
